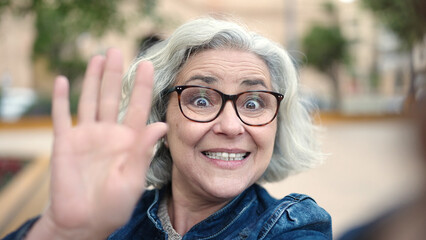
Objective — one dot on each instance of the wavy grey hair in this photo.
(296, 145)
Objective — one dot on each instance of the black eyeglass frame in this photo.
(225, 98)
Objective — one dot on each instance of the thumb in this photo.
(153, 132)
(138, 165)
(145, 145)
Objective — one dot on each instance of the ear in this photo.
(164, 140)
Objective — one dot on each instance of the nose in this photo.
(227, 122)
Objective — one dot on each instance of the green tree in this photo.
(59, 23)
(407, 19)
(326, 49)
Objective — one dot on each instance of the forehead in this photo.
(225, 66)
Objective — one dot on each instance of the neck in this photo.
(186, 210)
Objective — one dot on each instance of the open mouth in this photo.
(226, 156)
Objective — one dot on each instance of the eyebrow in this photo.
(210, 80)
(205, 79)
(254, 82)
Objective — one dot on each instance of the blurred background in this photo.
(362, 62)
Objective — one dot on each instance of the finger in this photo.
(139, 164)
(111, 86)
(140, 101)
(60, 106)
(152, 133)
(87, 107)
(148, 139)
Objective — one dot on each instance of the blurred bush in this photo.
(43, 106)
(59, 24)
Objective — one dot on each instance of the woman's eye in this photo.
(201, 102)
(253, 104)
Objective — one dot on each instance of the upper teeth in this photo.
(226, 156)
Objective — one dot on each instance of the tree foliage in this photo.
(407, 18)
(59, 23)
(326, 48)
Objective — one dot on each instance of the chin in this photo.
(227, 188)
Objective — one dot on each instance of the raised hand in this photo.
(99, 165)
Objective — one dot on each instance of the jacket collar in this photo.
(217, 222)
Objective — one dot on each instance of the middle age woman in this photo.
(226, 108)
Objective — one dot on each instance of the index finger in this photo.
(140, 100)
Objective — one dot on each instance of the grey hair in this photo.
(296, 146)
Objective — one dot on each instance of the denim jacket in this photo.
(253, 214)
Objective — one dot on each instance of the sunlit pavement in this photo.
(371, 166)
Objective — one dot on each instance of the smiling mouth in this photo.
(226, 156)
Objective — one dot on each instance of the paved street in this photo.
(371, 166)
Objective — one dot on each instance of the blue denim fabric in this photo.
(254, 214)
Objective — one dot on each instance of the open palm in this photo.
(99, 165)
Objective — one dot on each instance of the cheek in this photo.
(265, 138)
(183, 135)
(176, 136)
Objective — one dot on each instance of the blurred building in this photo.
(376, 82)
(420, 68)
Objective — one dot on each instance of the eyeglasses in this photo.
(204, 104)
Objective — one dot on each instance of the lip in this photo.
(224, 164)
